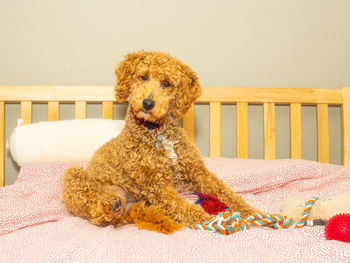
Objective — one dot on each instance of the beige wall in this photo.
(242, 43)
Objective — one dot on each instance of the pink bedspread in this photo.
(35, 227)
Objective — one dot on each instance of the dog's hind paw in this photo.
(114, 205)
(109, 210)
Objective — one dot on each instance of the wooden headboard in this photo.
(214, 96)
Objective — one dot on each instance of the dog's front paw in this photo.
(195, 216)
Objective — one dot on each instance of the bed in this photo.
(35, 227)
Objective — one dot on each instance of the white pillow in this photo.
(72, 140)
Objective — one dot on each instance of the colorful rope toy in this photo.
(226, 222)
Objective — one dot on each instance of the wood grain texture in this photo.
(188, 123)
(26, 112)
(215, 129)
(275, 95)
(269, 131)
(57, 93)
(107, 110)
(80, 110)
(219, 94)
(53, 111)
(346, 126)
(242, 129)
(295, 131)
(2, 143)
(322, 133)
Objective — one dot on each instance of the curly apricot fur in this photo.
(129, 171)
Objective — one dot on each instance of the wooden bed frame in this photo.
(214, 96)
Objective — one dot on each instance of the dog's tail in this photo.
(151, 217)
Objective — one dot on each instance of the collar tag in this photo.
(168, 146)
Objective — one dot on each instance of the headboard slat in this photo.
(346, 127)
(2, 143)
(295, 131)
(215, 129)
(107, 110)
(269, 131)
(80, 110)
(53, 111)
(26, 112)
(188, 123)
(242, 129)
(322, 133)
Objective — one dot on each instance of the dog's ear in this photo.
(187, 92)
(124, 72)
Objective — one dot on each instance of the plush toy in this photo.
(321, 211)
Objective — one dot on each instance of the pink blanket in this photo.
(35, 227)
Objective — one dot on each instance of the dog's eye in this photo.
(144, 78)
(165, 84)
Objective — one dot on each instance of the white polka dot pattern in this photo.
(35, 227)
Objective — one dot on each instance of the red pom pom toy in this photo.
(210, 203)
(338, 228)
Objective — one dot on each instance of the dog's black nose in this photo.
(148, 104)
